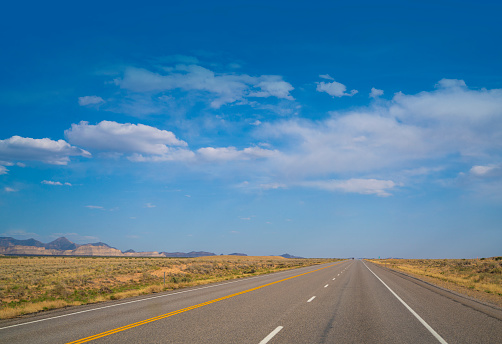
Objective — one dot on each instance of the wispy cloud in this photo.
(326, 76)
(220, 88)
(402, 133)
(9, 189)
(50, 182)
(232, 153)
(95, 207)
(19, 233)
(487, 171)
(90, 100)
(360, 186)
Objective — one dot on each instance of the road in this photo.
(353, 301)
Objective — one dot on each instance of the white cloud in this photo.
(44, 150)
(269, 186)
(449, 83)
(375, 93)
(171, 154)
(485, 171)
(402, 133)
(232, 153)
(135, 139)
(334, 89)
(360, 186)
(326, 76)
(50, 182)
(3, 170)
(94, 207)
(150, 205)
(90, 100)
(272, 86)
(8, 189)
(221, 88)
(256, 123)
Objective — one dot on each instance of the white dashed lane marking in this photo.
(271, 335)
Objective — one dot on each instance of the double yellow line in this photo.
(167, 315)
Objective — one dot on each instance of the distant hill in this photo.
(61, 244)
(7, 241)
(64, 247)
(286, 255)
(192, 254)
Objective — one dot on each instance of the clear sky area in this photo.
(315, 128)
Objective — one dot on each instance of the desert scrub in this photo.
(483, 275)
(32, 284)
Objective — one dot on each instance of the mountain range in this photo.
(64, 247)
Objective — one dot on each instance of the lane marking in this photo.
(338, 275)
(326, 286)
(431, 330)
(334, 278)
(310, 300)
(141, 300)
(167, 315)
(271, 335)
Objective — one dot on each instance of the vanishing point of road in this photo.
(351, 301)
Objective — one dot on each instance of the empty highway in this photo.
(352, 301)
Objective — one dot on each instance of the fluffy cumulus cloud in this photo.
(375, 93)
(404, 133)
(90, 100)
(45, 150)
(449, 83)
(125, 138)
(334, 89)
(361, 186)
(220, 88)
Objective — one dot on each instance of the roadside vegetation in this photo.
(478, 278)
(33, 284)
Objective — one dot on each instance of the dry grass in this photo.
(32, 284)
(479, 278)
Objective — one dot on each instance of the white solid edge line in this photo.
(309, 300)
(271, 335)
(431, 330)
(146, 299)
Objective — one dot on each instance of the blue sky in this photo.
(325, 129)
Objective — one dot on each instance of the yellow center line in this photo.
(163, 316)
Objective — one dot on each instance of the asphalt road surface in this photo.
(349, 302)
